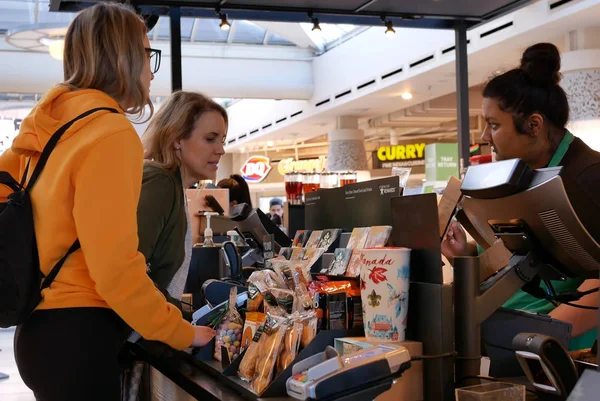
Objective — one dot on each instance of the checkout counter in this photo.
(528, 211)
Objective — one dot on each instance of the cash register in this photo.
(529, 210)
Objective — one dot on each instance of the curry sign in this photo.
(401, 152)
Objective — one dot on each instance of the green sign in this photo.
(441, 161)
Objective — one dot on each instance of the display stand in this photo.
(293, 218)
(430, 302)
(362, 204)
(415, 226)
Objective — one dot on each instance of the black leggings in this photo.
(71, 354)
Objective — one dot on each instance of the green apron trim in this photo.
(524, 301)
(563, 147)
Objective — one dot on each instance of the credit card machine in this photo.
(546, 364)
(323, 375)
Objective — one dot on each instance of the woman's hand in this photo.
(202, 336)
(455, 242)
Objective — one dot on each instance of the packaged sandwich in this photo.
(267, 357)
(254, 320)
(309, 329)
(229, 330)
(290, 346)
(247, 369)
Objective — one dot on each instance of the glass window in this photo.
(275, 39)
(329, 32)
(14, 13)
(208, 30)
(45, 16)
(248, 32)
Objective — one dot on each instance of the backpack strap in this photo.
(24, 178)
(54, 140)
(54, 272)
(38, 170)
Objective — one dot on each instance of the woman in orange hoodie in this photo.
(89, 190)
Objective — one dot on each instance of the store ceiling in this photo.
(440, 14)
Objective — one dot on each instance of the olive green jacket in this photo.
(162, 226)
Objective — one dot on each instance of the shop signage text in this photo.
(256, 169)
(409, 155)
(302, 166)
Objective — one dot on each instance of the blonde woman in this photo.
(183, 145)
(89, 190)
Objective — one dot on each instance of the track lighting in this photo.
(316, 26)
(390, 30)
(315, 21)
(224, 25)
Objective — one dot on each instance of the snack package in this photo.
(294, 280)
(330, 299)
(309, 329)
(283, 298)
(267, 357)
(229, 330)
(254, 320)
(254, 303)
(247, 369)
(290, 346)
(265, 279)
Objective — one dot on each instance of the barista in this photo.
(526, 112)
(239, 192)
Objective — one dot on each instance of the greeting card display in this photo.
(358, 238)
(384, 284)
(339, 264)
(378, 236)
(353, 269)
(314, 239)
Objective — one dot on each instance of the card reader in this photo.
(322, 376)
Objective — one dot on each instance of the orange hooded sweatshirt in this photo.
(89, 190)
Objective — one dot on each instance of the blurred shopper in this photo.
(89, 190)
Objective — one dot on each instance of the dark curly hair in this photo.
(533, 88)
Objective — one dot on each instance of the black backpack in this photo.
(20, 276)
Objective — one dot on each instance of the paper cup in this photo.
(384, 283)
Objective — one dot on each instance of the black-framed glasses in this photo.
(155, 56)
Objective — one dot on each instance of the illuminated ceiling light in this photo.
(390, 30)
(316, 26)
(224, 25)
(270, 144)
(315, 22)
(56, 47)
(407, 95)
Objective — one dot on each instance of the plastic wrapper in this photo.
(247, 369)
(254, 320)
(285, 299)
(255, 299)
(262, 280)
(329, 287)
(267, 357)
(290, 346)
(292, 274)
(229, 330)
(309, 329)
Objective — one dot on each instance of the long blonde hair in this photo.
(104, 50)
(175, 120)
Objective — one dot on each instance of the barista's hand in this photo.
(455, 242)
(202, 336)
